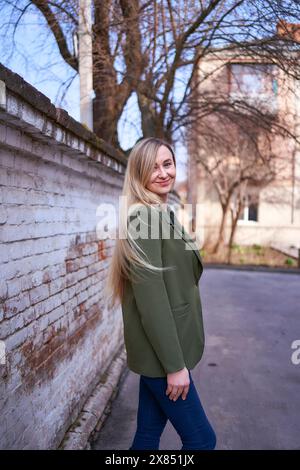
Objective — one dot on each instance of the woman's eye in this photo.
(165, 164)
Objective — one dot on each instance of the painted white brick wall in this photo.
(59, 339)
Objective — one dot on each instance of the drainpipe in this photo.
(85, 60)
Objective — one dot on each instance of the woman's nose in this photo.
(163, 172)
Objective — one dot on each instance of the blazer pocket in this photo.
(181, 310)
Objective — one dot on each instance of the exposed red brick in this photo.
(101, 250)
(82, 307)
(46, 277)
(41, 363)
(72, 265)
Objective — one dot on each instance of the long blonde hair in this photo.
(141, 162)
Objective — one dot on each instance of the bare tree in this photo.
(153, 49)
(246, 140)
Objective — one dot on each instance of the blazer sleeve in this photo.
(151, 295)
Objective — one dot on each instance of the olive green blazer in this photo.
(162, 312)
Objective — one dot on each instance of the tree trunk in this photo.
(151, 121)
(234, 219)
(221, 240)
(110, 96)
(105, 119)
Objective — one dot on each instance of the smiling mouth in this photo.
(164, 182)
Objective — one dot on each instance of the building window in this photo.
(256, 84)
(250, 211)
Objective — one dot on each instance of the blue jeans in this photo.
(187, 416)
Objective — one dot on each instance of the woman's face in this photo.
(163, 177)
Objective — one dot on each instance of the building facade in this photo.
(242, 164)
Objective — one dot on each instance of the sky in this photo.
(36, 58)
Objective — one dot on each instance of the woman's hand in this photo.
(178, 383)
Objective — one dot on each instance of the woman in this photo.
(154, 273)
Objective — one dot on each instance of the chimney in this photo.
(289, 31)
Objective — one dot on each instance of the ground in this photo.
(246, 379)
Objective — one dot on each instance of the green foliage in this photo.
(237, 248)
(257, 248)
(234, 246)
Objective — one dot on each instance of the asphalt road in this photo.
(246, 380)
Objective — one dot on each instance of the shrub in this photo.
(234, 246)
(256, 247)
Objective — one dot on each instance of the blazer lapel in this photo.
(171, 219)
